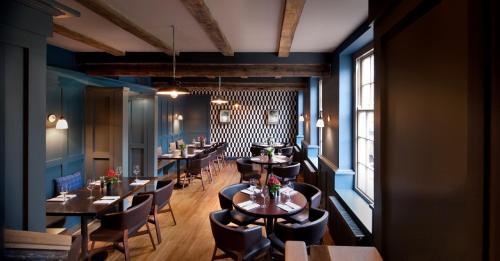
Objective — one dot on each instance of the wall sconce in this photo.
(320, 123)
(61, 123)
(301, 118)
(328, 118)
(179, 117)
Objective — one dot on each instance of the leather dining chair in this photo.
(311, 232)
(195, 169)
(287, 172)
(226, 202)
(237, 243)
(120, 226)
(286, 151)
(213, 160)
(161, 198)
(245, 168)
(313, 196)
(255, 151)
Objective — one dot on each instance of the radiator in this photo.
(342, 227)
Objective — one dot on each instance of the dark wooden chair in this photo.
(311, 232)
(238, 243)
(287, 172)
(226, 202)
(119, 227)
(313, 196)
(245, 168)
(161, 198)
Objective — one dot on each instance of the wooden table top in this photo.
(82, 206)
(271, 210)
(175, 156)
(277, 159)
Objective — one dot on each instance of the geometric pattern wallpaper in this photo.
(249, 121)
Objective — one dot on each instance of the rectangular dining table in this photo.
(85, 208)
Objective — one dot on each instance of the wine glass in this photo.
(90, 187)
(63, 190)
(137, 170)
(264, 193)
(119, 172)
(289, 191)
(252, 189)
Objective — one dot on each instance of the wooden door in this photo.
(104, 125)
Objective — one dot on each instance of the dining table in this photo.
(81, 205)
(178, 157)
(271, 211)
(270, 162)
(267, 145)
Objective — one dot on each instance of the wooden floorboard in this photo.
(191, 238)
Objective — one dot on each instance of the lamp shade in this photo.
(180, 117)
(219, 100)
(320, 123)
(173, 91)
(301, 118)
(62, 124)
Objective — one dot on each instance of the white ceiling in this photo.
(249, 25)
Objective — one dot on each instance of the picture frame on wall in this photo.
(224, 116)
(272, 116)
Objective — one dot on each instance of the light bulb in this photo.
(174, 94)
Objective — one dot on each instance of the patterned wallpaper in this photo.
(249, 121)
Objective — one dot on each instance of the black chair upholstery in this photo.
(286, 151)
(245, 168)
(313, 196)
(287, 172)
(239, 243)
(226, 202)
(311, 232)
(255, 151)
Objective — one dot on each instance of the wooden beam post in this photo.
(199, 10)
(291, 17)
(107, 12)
(59, 29)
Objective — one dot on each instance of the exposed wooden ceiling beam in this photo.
(240, 86)
(207, 70)
(59, 29)
(291, 17)
(199, 10)
(107, 12)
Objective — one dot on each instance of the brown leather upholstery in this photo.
(118, 227)
(161, 198)
(288, 172)
(226, 202)
(311, 232)
(239, 243)
(245, 168)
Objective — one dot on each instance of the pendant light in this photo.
(61, 124)
(320, 123)
(301, 118)
(173, 90)
(218, 99)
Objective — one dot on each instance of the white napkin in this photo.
(96, 183)
(168, 155)
(285, 207)
(103, 201)
(110, 198)
(56, 199)
(198, 151)
(249, 191)
(242, 204)
(67, 196)
(251, 206)
(292, 205)
(139, 182)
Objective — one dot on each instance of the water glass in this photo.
(119, 172)
(264, 194)
(90, 187)
(63, 190)
(137, 170)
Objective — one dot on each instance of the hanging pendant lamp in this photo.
(173, 90)
(218, 99)
(61, 124)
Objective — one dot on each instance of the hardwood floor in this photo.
(191, 238)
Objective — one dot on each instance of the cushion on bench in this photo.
(73, 181)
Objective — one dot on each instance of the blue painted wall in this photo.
(170, 128)
(196, 117)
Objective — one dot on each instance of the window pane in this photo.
(362, 128)
(365, 71)
(370, 125)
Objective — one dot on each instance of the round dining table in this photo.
(275, 160)
(271, 211)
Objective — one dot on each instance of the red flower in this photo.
(111, 173)
(273, 181)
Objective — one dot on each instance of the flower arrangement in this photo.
(111, 176)
(269, 151)
(274, 185)
(202, 140)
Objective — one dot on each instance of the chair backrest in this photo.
(205, 161)
(310, 232)
(172, 147)
(212, 155)
(133, 218)
(255, 151)
(234, 239)
(244, 165)
(289, 171)
(163, 192)
(312, 193)
(287, 151)
(73, 182)
(226, 195)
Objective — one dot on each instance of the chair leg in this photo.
(150, 235)
(172, 212)
(201, 177)
(125, 245)
(215, 252)
(157, 226)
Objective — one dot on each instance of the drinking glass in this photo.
(119, 172)
(289, 184)
(264, 193)
(252, 189)
(137, 170)
(90, 187)
(63, 190)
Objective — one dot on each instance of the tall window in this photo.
(365, 123)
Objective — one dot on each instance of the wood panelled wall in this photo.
(170, 128)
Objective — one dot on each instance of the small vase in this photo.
(184, 152)
(109, 187)
(202, 143)
(273, 194)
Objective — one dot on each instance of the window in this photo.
(365, 124)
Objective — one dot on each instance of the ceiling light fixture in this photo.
(173, 90)
(301, 118)
(320, 123)
(218, 99)
(61, 124)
